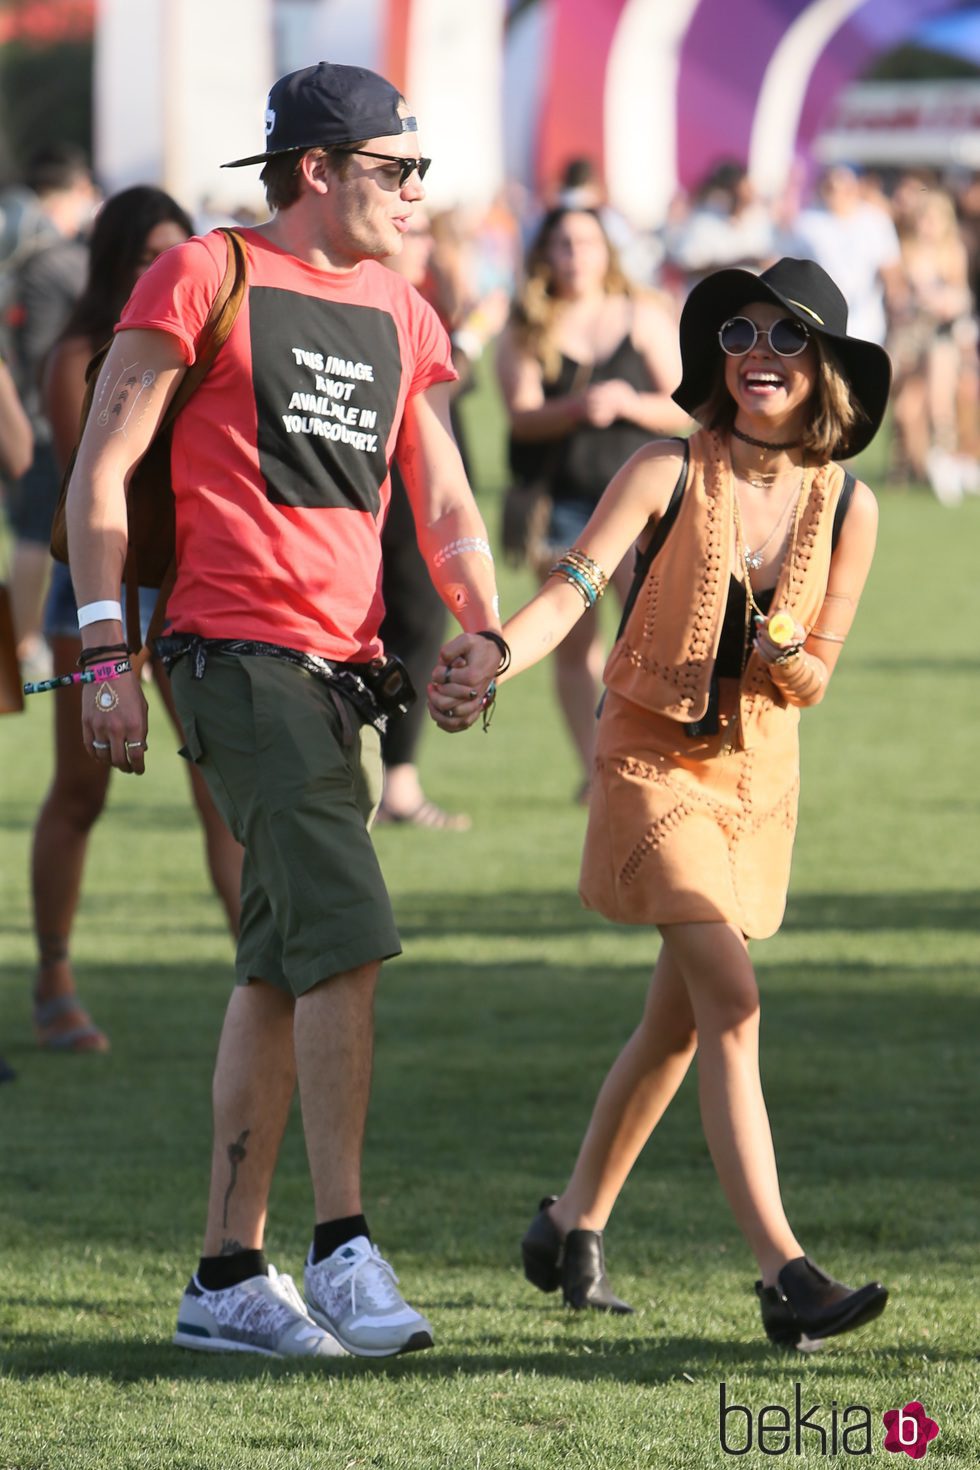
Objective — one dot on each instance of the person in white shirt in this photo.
(856, 243)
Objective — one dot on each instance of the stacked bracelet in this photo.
(101, 651)
(582, 573)
(502, 645)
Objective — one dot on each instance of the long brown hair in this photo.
(535, 308)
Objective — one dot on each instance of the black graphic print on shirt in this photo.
(326, 378)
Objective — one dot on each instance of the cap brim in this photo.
(264, 157)
(866, 365)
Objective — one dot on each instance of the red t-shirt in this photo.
(280, 458)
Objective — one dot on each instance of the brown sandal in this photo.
(427, 815)
(83, 1036)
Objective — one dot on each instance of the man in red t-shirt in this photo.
(280, 472)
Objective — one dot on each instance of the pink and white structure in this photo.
(656, 91)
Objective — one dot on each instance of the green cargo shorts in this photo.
(282, 755)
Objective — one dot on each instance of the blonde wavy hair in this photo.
(535, 309)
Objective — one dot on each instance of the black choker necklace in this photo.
(763, 443)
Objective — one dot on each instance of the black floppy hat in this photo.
(805, 291)
(323, 105)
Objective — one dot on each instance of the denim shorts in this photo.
(569, 519)
(33, 499)
(284, 759)
(61, 609)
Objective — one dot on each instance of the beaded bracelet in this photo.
(576, 580)
(488, 704)
(591, 569)
(582, 573)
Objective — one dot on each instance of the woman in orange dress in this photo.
(762, 547)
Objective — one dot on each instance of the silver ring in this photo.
(133, 744)
(451, 712)
(449, 677)
(101, 745)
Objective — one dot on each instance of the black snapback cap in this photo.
(324, 105)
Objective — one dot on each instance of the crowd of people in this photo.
(734, 364)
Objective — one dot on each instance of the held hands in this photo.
(467, 666)
(116, 736)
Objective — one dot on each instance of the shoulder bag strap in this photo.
(644, 559)
(217, 327)
(214, 334)
(847, 490)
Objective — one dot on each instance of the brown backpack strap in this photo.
(217, 327)
(214, 334)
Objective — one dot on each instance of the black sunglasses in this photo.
(787, 337)
(406, 166)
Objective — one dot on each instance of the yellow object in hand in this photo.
(781, 629)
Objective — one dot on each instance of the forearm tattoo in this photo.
(236, 1155)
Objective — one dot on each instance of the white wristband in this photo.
(99, 612)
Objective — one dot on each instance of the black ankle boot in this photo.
(808, 1305)
(583, 1274)
(541, 1249)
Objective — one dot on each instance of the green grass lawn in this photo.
(494, 1030)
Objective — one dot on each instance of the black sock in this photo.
(332, 1234)
(217, 1272)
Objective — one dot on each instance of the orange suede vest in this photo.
(665, 658)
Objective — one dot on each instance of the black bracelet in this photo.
(103, 650)
(502, 645)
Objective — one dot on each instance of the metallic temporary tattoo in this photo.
(126, 392)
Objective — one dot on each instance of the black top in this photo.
(580, 465)
(734, 647)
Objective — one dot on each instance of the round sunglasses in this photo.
(787, 337)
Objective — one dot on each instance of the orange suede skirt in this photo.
(685, 831)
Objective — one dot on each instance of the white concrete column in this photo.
(180, 88)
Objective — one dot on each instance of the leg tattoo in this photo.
(52, 950)
(236, 1153)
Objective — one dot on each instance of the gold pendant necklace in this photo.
(749, 559)
(754, 559)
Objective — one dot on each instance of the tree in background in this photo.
(45, 77)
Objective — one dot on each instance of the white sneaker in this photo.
(353, 1293)
(943, 475)
(262, 1315)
